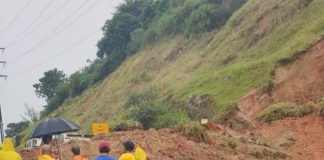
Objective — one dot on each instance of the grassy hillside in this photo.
(225, 64)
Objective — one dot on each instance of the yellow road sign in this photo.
(100, 128)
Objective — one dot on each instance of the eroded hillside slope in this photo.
(268, 52)
(225, 64)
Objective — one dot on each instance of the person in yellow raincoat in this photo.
(140, 154)
(46, 152)
(8, 152)
(130, 154)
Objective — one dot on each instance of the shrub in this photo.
(123, 125)
(144, 107)
(146, 97)
(205, 18)
(223, 110)
(200, 107)
(170, 118)
(283, 110)
(321, 102)
(79, 81)
(146, 115)
(266, 153)
(256, 153)
(321, 105)
(158, 116)
(204, 106)
(193, 130)
(231, 143)
(136, 40)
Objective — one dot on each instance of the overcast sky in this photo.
(40, 35)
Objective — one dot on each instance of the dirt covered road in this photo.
(159, 145)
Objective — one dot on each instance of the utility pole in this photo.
(1, 126)
(1, 122)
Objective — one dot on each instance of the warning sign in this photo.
(100, 128)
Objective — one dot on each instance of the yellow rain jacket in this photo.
(45, 157)
(127, 156)
(140, 154)
(8, 152)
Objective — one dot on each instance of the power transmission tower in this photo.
(1, 122)
(3, 62)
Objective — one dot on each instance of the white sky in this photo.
(30, 55)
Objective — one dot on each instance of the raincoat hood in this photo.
(7, 151)
(8, 145)
(45, 157)
(127, 156)
(140, 154)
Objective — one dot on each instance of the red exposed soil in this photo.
(266, 19)
(308, 131)
(253, 103)
(302, 80)
(88, 104)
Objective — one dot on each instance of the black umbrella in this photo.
(53, 126)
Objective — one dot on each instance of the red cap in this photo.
(103, 144)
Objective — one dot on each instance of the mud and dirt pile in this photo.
(163, 144)
(301, 138)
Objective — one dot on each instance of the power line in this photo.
(44, 40)
(44, 62)
(47, 19)
(55, 56)
(5, 13)
(73, 21)
(16, 17)
(31, 23)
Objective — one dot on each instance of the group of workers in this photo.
(131, 152)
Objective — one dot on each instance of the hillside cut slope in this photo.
(225, 64)
(267, 52)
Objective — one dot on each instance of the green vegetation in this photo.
(16, 128)
(136, 24)
(51, 80)
(225, 62)
(158, 116)
(321, 105)
(55, 87)
(260, 153)
(229, 143)
(193, 130)
(283, 110)
(321, 102)
(122, 123)
(146, 109)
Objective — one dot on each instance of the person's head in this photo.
(75, 149)
(46, 149)
(129, 146)
(47, 139)
(104, 147)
